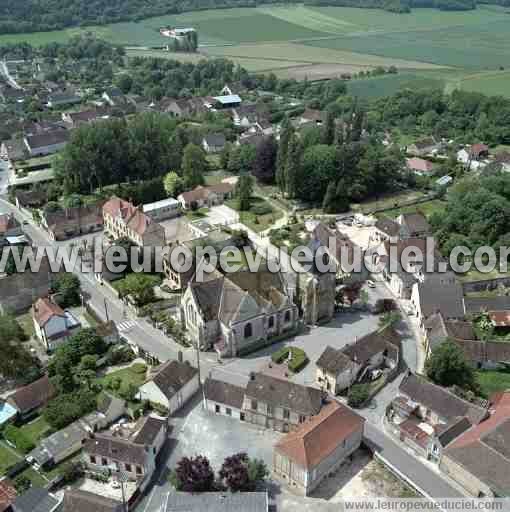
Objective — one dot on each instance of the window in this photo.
(302, 418)
(254, 405)
(241, 416)
(286, 414)
(269, 410)
(104, 462)
(287, 316)
(248, 331)
(92, 459)
(138, 470)
(228, 411)
(271, 322)
(128, 467)
(217, 408)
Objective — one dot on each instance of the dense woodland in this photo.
(42, 15)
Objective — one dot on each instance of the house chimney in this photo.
(180, 357)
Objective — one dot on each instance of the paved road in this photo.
(429, 482)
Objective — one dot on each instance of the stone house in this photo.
(123, 219)
(46, 143)
(413, 225)
(428, 417)
(53, 325)
(172, 385)
(213, 143)
(479, 459)
(339, 369)
(237, 311)
(224, 398)
(318, 447)
(423, 146)
(278, 404)
(201, 197)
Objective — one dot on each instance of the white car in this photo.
(370, 284)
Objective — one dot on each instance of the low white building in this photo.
(164, 209)
(172, 386)
(224, 398)
(53, 325)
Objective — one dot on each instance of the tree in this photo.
(234, 472)
(389, 318)
(264, 166)
(194, 166)
(67, 288)
(293, 166)
(140, 287)
(329, 202)
(286, 131)
(448, 366)
(358, 395)
(173, 184)
(257, 470)
(194, 474)
(241, 159)
(244, 191)
(328, 131)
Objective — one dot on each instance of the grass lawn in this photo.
(36, 430)
(126, 376)
(427, 208)
(492, 381)
(388, 201)
(252, 220)
(8, 457)
(196, 214)
(35, 477)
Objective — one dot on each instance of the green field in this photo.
(492, 381)
(463, 49)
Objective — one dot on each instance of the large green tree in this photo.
(194, 166)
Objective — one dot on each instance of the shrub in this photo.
(261, 209)
(280, 355)
(358, 395)
(22, 484)
(298, 360)
(16, 436)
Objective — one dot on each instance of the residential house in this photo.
(46, 143)
(75, 119)
(114, 97)
(226, 101)
(424, 146)
(206, 196)
(59, 446)
(338, 369)
(177, 108)
(440, 292)
(7, 495)
(477, 305)
(252, 139)
(134, 458)
(413, 225)
(234, 312)
(479, 459)
(14, 150)
(420, 166)
(310, 115)
(11, 232)
(122, 219)
(76, 500)
(214, 142)
(70, 222)
(29, 399)
(385, 229)
(109, 409)
(161, 210)
(171, 386)
(473, 156)
(53, 325)
(318, 447)
(178, 277)
(279, 404)
(424, 412)
(224, 398)
(36, 500)
(217, 502)
(60, 98)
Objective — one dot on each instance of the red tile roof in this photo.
(44, 309)
(7, 221)
(133, 217)
(477, 149)
(7, 495)
(317, 438)
(419, 164)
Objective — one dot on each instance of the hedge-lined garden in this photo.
(298, 358)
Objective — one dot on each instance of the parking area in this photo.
(205, 433)
(223, 215)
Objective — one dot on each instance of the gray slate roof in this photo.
(478, 304)
(35, 500)
(281, 393)
(150, 429)
(83, 501)
(173, 376)
(117, 449)
(440, 400)
(217, 502)
(415, 222)
(441, 296)
(224, 393)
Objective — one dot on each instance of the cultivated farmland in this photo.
(467, 50)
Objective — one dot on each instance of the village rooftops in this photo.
(228, 99)
(117, 449)
(47, 139)
(169, 201)
(388, 226)
(440, 400)
(217, 502)
(415, 222)
(320, 436)
(76, 500)
(34, 395)
(224, 393)
(150, 429)
(36, 500)
(7, 495)
(173, 376)
(419, 165)
(281, 393)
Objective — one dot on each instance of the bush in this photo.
(22, 484)
(280, 355)
(384, 305)
(261, 209)
(16, 436)
(298, 360)
(358, 395)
